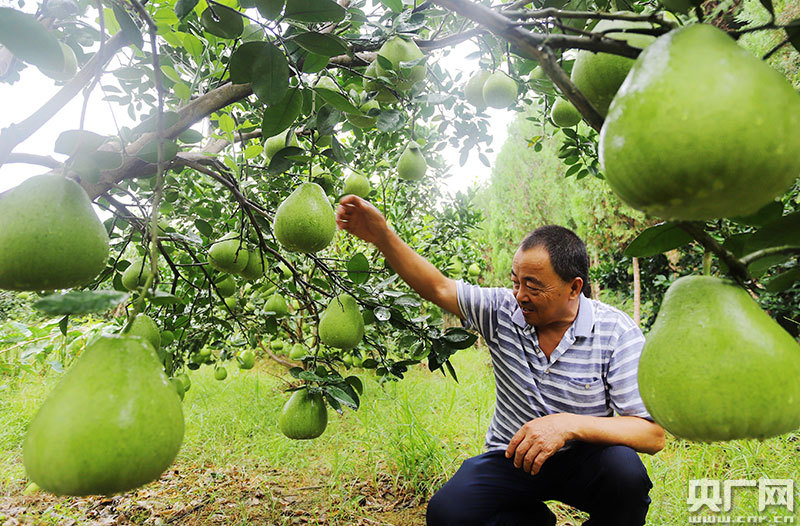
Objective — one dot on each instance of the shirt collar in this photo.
(582, 325)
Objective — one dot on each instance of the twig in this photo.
(735, 266)
(771, 251)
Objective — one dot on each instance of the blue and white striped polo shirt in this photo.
(592, 371)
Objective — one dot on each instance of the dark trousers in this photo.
(608, 482)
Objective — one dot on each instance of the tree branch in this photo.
(539, 46)
(30, 158)
(771, 251)
(16, 133)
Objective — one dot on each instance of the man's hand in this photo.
(361, 219)
(539, 439)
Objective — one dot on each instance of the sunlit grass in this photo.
(408, 437)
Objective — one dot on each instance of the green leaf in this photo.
(358, 268)
(793, 32)
(149, 152)
(783, 281)
(190, 136)
(184, 7)
(784, 231)
(390, 121)
(314, 11)
(63, 324)
(314, 63)
(72, 142)
(270, 9)
(128, 26)
(657, 239)
(337, 100)
(161, 298)
(458, 338)
(764, 215)
(80, 302)
(321, 43)
(394, 5)
(282, 160)
(356, 383)
(204, 227)
(222, 21)
(334, 403)
(280, 116)
(451, 370)
(29, 40)
(341, 396)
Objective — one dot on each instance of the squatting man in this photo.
(563, 365)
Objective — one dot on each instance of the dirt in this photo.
(213, 495)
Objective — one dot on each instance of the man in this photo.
(563, 365)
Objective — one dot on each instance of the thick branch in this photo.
(16, 133)
(30, 158)
(187, 116)
(539, 46)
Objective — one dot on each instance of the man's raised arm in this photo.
(364, 221)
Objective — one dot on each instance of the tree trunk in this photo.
(594, 284)
(637, 293)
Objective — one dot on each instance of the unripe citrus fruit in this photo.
(304, 416)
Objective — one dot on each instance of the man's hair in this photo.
(566, 250)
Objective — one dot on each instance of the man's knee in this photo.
(446, 507)
(625, 476)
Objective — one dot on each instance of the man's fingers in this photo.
(522, 450)
(515, 440)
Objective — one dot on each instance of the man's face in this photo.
(541, 293)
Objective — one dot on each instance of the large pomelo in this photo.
(701, 129)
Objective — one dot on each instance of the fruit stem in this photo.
(708, 257)
(735, 266)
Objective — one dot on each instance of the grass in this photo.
(399, 447)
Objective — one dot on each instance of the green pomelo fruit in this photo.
(365, 121)
(474, 270)
(50, 237)
(136, 275)
(298, 352)
(144, 326)
(177, 385)
(538, 74)
(277, 304)
(228, 254)
(371, 83)
(341, 325)
(276, 345)
(70, 65)
(305, 221)
(599, 75)
(356, 183)
(564, 114)
(347, 358)
(701, 135)
(112, 424)
(277, 143)
(226, 286)
(256, 266)
(411, 165)
(185, 381)
(323, 178)
(304, 416)
(247, 359)
(473, 91)
(717, 367)
(397, 50)
(220, 373)
(499, 90)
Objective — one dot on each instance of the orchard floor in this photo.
(375, 466)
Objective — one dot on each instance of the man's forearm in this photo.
(419, 273)
(640, 434)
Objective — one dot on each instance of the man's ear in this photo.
(575, 287)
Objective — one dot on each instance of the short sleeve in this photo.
(479, 307)
(623, 381)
